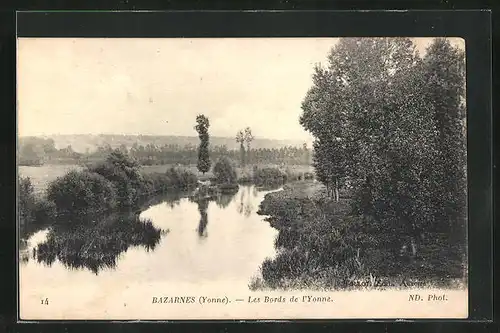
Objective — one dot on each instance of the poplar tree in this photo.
(201, 127)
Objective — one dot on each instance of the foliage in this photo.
(26, 201)
(34, 212)
(321, 245)
(202, 126)
(123, 172)
(240, 138)
(268, 176)
(181, 179)
(81, 192)
(391, 125)
(444, 72)
(224, 171)
(248, 138)
(395, 142)
(245, 137)
(35, 151)
(172, 180)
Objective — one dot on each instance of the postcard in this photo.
(242, 178)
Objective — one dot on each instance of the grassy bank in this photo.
(322, 245)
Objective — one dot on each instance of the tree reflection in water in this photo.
(95, 243)
(245, 206)
(222, 200)
(202, 208)
(24, 251)
(241, 206)
(170, 199)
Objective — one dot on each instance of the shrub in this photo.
(269, 176)
(44, 211)
(187, 179)
(180, 179)
(26, 201)
(82, 192)
(173, 178)
(224, 171)
(123, 172)
(34, 212)
(156, 182)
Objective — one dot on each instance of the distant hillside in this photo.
(83, 142)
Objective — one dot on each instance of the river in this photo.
(202, 247)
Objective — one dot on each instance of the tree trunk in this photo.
(337, 195)
(413, 246)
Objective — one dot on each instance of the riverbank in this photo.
(322, 245)
(117, 185)
(121, 184)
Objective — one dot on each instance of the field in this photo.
(41, 176)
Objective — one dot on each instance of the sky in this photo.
(158, 86)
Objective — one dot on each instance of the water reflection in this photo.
(222, 200)
(172, 200)
(24, 251)
(95, 243)
(202, 208)
(247, 197)
(113, 252)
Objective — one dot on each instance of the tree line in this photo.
(390, 124)
(37, 151)
(32, 153)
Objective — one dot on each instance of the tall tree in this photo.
(202, 125)
(306, 153)
(248, 136)
(323, 111)
(444, 71)
(240, 138)
(372, 123)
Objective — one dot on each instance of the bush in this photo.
(269, 176)
(44, 211)
(34, 212)
(82, 192)
(26, 201)
(224, 171)
(172, 179)
(180, 179)
(188, 179)
(156, 182)
(123, 172)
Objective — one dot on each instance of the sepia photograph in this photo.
(242, 178)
